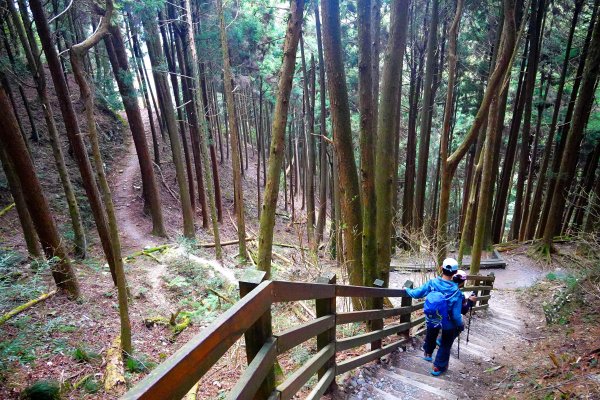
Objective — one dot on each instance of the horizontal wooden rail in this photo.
(295, 336)
(251, 317)
(175, 376)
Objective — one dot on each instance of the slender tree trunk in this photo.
(73, 131)
(367, 141)
(196, 87)
(385, 173)
(277, 151)
(425, 123)
(235, 140)
(157, 60)
(446, 179)
(16, 189)
(342, 137)
(37, 205)
(32, 54)
(118, 59)
(507, 45)
(583, 105)
(532, 67)
(77, 56)
(323, 173)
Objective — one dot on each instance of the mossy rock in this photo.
(42, 390)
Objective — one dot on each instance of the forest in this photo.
(156, 152)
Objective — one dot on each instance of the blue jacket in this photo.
(452, 293)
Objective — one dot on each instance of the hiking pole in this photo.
(458, 355)
(469, 326)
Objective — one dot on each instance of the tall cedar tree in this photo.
(277, 151)
(32, 53)
(72, 128)
(385, 173)
(323, 163)
(505, 57)
(367, 142)
(115, 48)
(37, 205)
(196, 87)
(446, 178)
(77, 53)
(581, 113)
(351, 220)
(157, 59)
(426, 115)
(235, 138)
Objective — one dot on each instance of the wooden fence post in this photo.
(377, 324)
(326, 307)
(257, 334)
(406, 302)
(487, 292)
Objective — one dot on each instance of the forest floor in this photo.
(70, 342)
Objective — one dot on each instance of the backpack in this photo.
(436, 310)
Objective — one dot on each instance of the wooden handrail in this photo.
(251, 317)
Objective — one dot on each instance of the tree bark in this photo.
(73, 131)
(385, 173)
(118, 60)
(342, 139)
(37, 205)
(277, 151)
(157, 60)
(583, 105)
(235, 139)
(367, 140)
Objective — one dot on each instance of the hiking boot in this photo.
(427, 357)
(435, 371)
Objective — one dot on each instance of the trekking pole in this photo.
(469, 326)
(458, 355)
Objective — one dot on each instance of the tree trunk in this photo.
(485, 193)
(32, 54)
(342, 137)
(385, 173)
(323, 173)
(16, 189)
(118, 60)
(367, 141)
(446, 180)
(37, 205)
(157, 60)
(532, 67)
(196, 87)
(77, 55)
(73, 131)
(235, 140)
(583, 105)
(277, 151)
(425, 123)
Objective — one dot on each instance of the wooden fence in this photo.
(251, 317)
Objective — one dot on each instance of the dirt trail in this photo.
(134, 227)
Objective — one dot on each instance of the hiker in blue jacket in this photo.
(443, 307)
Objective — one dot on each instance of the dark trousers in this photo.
(443, 354)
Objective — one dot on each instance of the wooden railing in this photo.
(251, 317)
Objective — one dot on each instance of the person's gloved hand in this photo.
(460, 328)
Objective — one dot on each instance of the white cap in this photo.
(450, 264)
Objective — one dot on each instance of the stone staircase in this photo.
(405, 375)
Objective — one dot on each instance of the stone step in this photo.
(504, 313)
(506, 323)
(434, 390)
